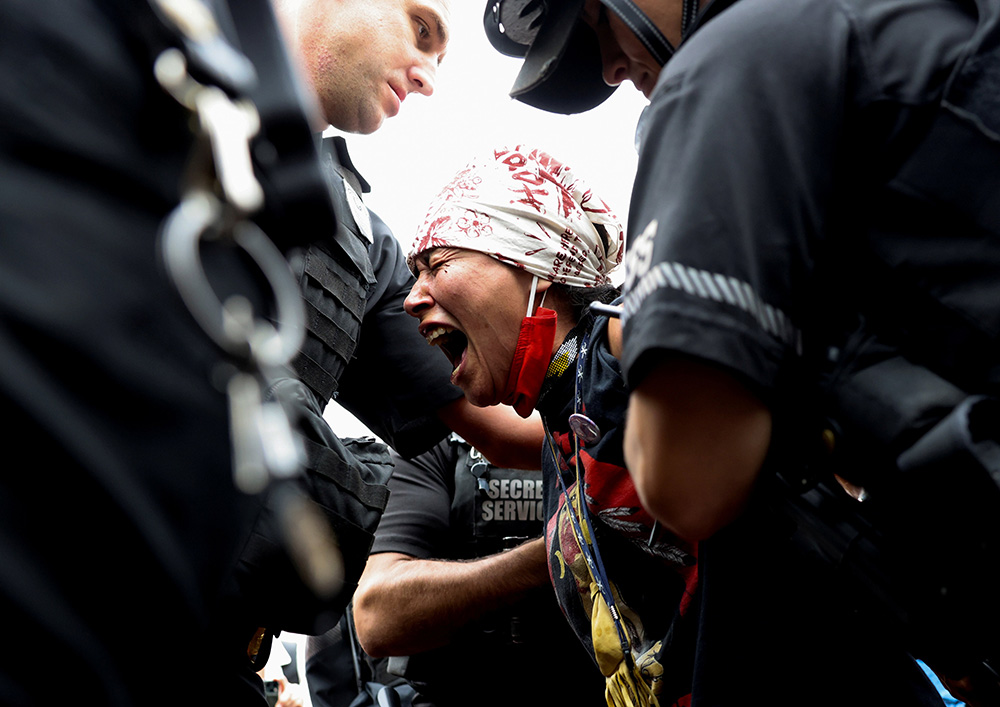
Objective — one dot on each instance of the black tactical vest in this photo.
(492, 509)
(336, 277)
(314, 204)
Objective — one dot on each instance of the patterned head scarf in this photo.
(522, 207)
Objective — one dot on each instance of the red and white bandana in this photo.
(522, 207)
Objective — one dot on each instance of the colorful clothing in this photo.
(653, 576)
(524, 207)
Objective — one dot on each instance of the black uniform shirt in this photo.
(396, 382)
(524, 655)
(764, 139)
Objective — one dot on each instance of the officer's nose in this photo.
(422, 78)
(615, 69)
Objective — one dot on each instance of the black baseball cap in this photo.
(562, 70)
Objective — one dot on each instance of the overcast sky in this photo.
(413, 155)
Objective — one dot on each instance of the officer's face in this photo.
(622, 54)
(364, 57)
(471, 305)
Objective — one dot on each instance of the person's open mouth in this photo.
(451, 341)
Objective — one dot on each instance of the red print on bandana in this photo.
(522, 206)
(474, 224)
(529, 198)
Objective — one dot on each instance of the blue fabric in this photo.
(945, 695)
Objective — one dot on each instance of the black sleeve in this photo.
(725, 210)
(417, 518)
(396, 382)
(764, 149)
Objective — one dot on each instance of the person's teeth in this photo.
(433, 335)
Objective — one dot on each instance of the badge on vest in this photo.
(360, 212)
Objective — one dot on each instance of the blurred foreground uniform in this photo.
(122, 529)
(122, 518)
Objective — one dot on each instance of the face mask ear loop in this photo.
(531, 299)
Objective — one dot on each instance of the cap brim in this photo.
(562, 71)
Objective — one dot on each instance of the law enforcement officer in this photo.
(457, 589)
(120, 522)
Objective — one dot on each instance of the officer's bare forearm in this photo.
(405, 605)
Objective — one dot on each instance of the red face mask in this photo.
(531, 361)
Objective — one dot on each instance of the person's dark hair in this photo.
(579, 298)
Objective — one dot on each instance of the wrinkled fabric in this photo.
(523, 207)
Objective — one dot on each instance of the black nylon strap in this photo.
(336, 339)
(690, 13)
(296, 188)
(647, 32)
(319, 269)
(650, 35)
(296, 182)
(323, 382)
